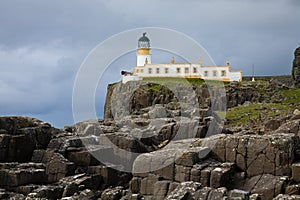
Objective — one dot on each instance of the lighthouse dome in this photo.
(144, 42)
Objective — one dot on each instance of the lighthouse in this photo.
(145, 69)
(143, 56)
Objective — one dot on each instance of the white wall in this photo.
(127, 78)
(172, 72)
(141, 60)
(235, 76)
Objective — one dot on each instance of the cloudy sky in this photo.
(43, 43)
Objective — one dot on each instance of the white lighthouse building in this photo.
(145, 69)
(143, 53)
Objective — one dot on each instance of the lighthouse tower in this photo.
(143, 52)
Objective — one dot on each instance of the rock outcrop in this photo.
(133, 97)
(162, 145)
(296, 67)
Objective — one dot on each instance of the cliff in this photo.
(162, 141)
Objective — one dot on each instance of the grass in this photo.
(156, 87)
(184, 81)
(292, 96)
(287, 100)
(282, 102)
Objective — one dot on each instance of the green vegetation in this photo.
(184, 81)
(156, 87)
(282, 103)
(278, 102)
(292, 96)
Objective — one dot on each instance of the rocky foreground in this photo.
(160, 148)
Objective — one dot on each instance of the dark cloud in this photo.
(43, 43)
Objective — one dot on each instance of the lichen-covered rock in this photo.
(203, 193)
(112, 193)
(83, 195)
(184, 191)
(287, 197)
(218, 193)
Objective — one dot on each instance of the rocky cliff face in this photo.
(131, 98)
(159, 142)
(296, 67)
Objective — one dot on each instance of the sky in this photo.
(44, 43)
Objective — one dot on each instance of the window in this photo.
(186, 70)
(178, 69)
(137, 71)
(214, 73)
(206, 73)
(166, 70)
(142, 70)
(194, 69)
(157, 70)
(223, 73)
(150, 71)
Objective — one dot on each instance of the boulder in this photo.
(134, 185)
(47, 192)
(58, 167)
(267, 185)
(88, 128)
(239, 194)
(20, 136)
(14, 174)
(39, 156)
(292, 126)
(158, 112)
(216, 194)
(76, 183)
(296, 172)
(273, 124)
(255, 154)
(184, 191)
(220, 176)
(203, 193)
(292, 189)
(182, 173)
(127, 142)
(82, 158)
(255, 197)
(147, 184)
(110, 174)
(112, 193)
(161, 189)
(287, 197)
(85, 194)
(205, 176)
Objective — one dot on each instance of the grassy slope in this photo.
(287, 100)
(284, 101)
